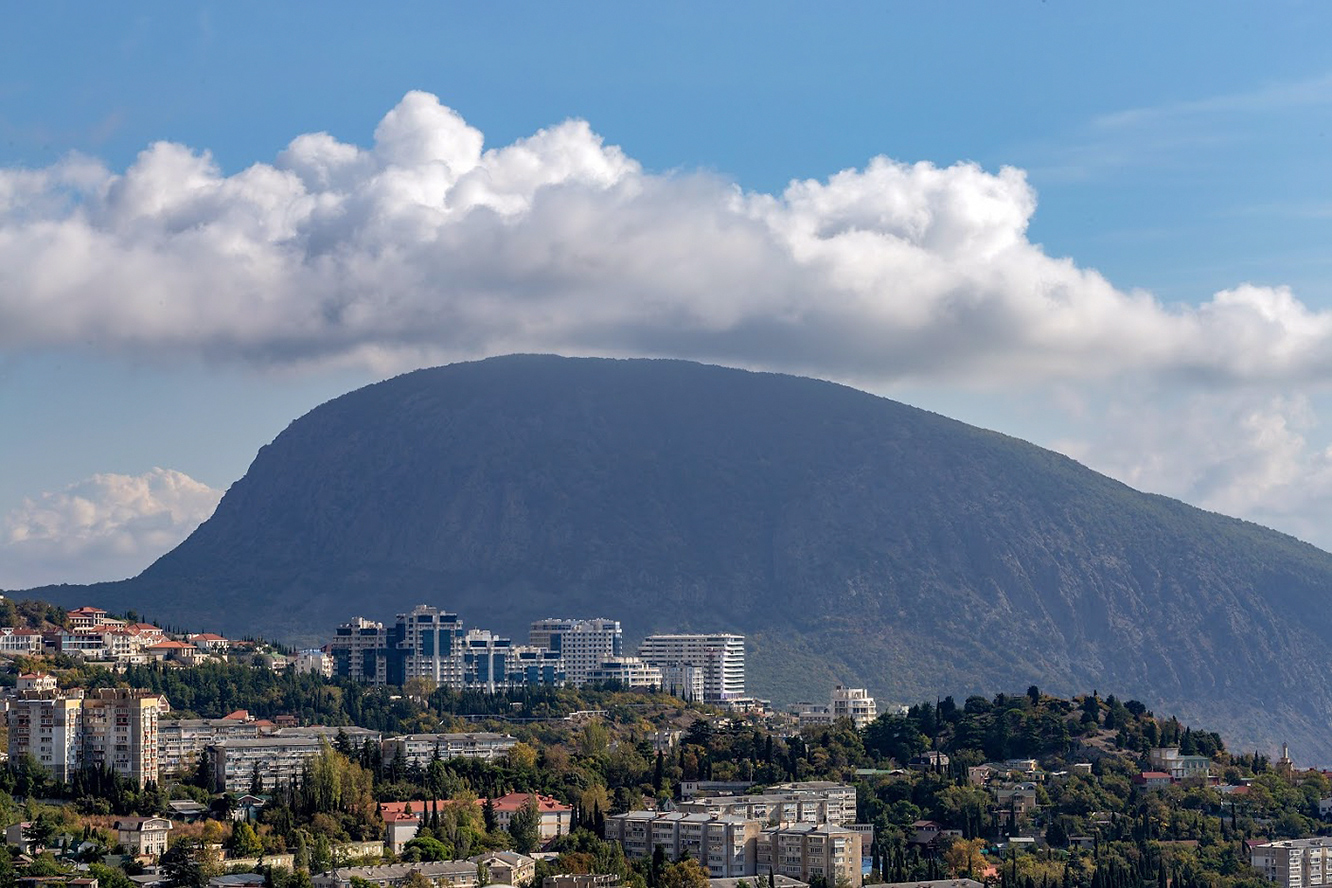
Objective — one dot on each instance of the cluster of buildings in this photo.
(796, 830)
(68, 730)
(124, 729)
(433, 645)
(94, 636)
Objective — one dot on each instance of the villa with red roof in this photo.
(85, 617)
(555, 819)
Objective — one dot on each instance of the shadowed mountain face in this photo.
(850, 537)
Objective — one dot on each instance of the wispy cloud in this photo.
(1179, 134)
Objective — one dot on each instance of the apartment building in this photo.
(48, 725)
(180, 742)
(360, 651)
(721, 658)
(806, 850)
(683, 680)
(313, 661)
(429, 645)
(583, 644)
(420, 749)
(789, 803)
(1295, 863)
(120, 731)
(537, 666)
(726, 846)
(67, 730)
(36, 681)
(855, 704)
(236, 763)
(852, 703)
(629, 672)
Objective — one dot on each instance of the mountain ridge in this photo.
(852, 538)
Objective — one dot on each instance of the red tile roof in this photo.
(516, 800)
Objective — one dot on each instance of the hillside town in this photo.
(591, 768)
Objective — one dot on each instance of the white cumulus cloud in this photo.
(106, 527)
(428, 246)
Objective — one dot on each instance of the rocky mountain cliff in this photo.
(852, 538)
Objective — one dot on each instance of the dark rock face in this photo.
(850, 537)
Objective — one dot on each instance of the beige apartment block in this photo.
(120, 731)
(807, 850)
(725, 846)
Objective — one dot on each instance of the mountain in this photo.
(852, 538)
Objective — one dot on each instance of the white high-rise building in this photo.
(584, 644)
(721, 657)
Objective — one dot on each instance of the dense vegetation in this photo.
(1096, 829)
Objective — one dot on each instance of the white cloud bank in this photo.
(427, 247)
(105, 527)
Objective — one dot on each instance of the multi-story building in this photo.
(721, 657)
(583, 644)
(429, 645)
(85, 617)
(20, 641)
(120, 731)
(855, 704)
(48, 725)
(507, 867)
(1179, 767)
(629, 672)
(360, 651)
(790, 803)
(493, 663)
(1295, 863)
(422, 748)
(683, 680)
(553, 818)
(537, 666)
(236, 764)
(36, 681)
(806, 850)
(726, 846)
(315, 662)
(181, 741)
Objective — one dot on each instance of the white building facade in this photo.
(583, 644)
(720, 657)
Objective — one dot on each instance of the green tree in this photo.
(183, 865)
(525, 827)
(245, 841)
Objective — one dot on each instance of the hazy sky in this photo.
(1101, 228)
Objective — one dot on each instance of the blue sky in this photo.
(1178, 151)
